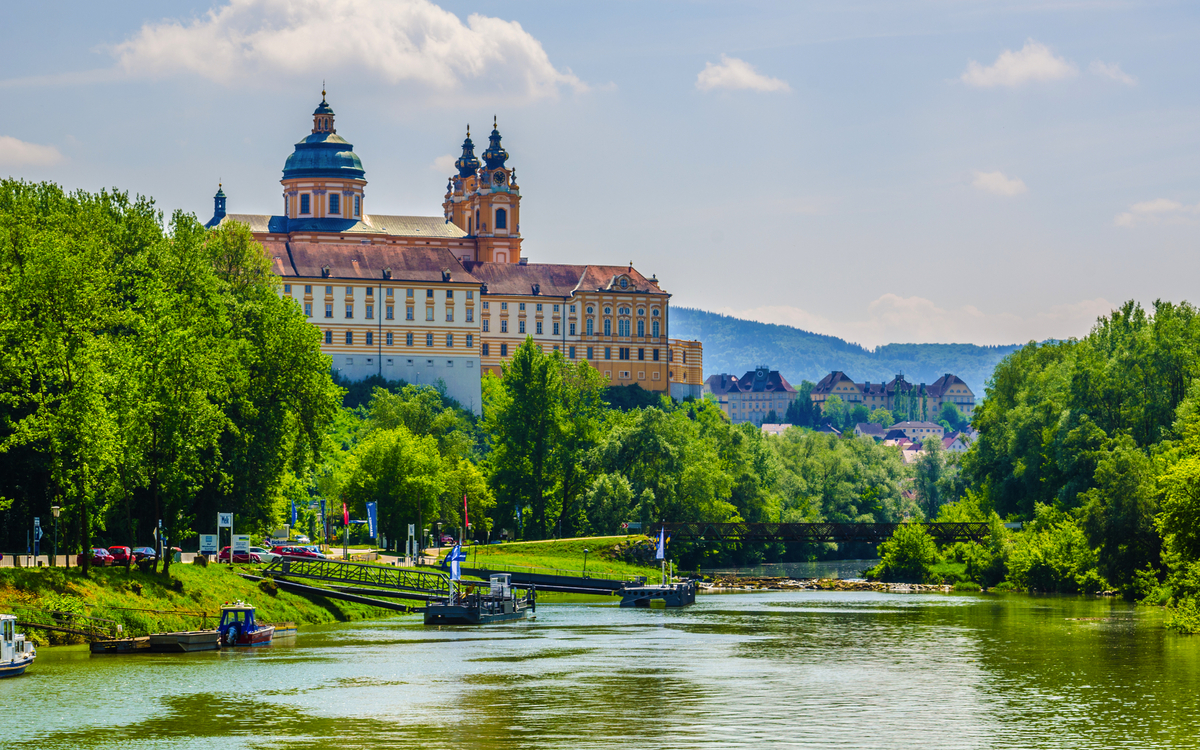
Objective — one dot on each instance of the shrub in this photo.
(1004, 586)
(907, 555)
(1184, 617)
(1053, 555)
(967, 586)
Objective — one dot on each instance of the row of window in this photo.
(623, 352)
(335, 204)
(390, 339)
(389, 292)
(390, 313)
(624, 311)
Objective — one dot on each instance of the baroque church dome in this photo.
(323, 153)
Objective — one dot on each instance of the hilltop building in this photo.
(753, 396)
(946, 389)
(449, 298)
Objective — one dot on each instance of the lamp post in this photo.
(55, 510)
(585, 554)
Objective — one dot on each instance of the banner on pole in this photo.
(372, 518)
(293, 513)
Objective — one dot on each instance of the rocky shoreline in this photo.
(733, 583)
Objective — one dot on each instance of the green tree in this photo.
(580, 429)
(858, 414)
(907, 555)
(951, 418)
(882, 417)
(1118, 513)
(401, 472)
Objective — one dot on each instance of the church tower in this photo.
(323, 179)
(485, 201)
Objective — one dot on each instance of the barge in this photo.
(498, 603)
(664, 595)
(185, 641)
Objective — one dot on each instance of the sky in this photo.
(899, 171)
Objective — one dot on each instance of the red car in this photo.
(100, 558)
(238, 558)
(120, 555)
(448, 541)
(295, 552)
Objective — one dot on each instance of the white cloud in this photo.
(18, 153)
(1033, 62)
(1157, 211)
(1112, 71)
(401, 41)
(733, 73)
(896, 319)
(997, 183)
(443, 164)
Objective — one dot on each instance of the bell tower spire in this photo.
(323, 115)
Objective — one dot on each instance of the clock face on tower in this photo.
(498, 178)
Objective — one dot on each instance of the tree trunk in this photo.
(85, 533)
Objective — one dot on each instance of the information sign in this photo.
(208, 544)
(241, 544)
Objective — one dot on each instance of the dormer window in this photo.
(624, 283)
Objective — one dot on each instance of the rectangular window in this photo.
(572, 308)
(329, 290)
(304, 203)
(370, 291)
(591, 353)
(429, 339)
(503, 305)
(485, 304)
(655, 355)
(470, 340)
(429, 314)
(504, 326)
(449, 314)
(329, 310)
(308, 309)
(389, 292)
(504, 350)
(470, 294)
(520, 306)
(556, 329)
(408, 340)
(349, 291)
(608, 352)
(556, 308)
(390, 338)
(520, 326)
(641, 353)
(335, 204)
(572, 329)
(571, 352)
(349, 337)
(287, 288)
(428, 294)
(358, 205)
(350, 311)
(308, 288)
(470, 314)
(449, 340)
(329, 337)
(370, 338)
(539, 328)
(485, 325)
(408, 312)
(449, 294)
(485, 350)
(370, 312)
(409, 294)
(539, 307)
(391, 312)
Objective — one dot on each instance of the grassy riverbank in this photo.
(607, 556)
(113, 594)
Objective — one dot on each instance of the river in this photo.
(761, 670)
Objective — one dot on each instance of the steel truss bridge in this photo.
(873, 533)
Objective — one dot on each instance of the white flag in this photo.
(661, 545)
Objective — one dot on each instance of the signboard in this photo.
(224, 520)
(241, 544)
(208, 544)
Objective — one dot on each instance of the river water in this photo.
(761, 670)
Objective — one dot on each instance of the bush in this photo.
(1184, 617)
(1054, 555)
(967, 586)
(907, 555)
(1004, 586)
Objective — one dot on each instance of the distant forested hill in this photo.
(734, 346)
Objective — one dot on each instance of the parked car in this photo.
(296, 552)
(316, 551)
(120, 555)
(100, 558)
(240, 557)
(144, 554)
(447, 540)
(302, 539)
(264, 555)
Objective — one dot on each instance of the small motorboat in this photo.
(16, 653)
(238, 627)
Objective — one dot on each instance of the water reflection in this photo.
(769, 669)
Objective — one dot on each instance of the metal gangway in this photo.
(361, 578)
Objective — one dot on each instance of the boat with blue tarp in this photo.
(239, 628)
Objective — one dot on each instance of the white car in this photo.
(265, 555)
(302, 539)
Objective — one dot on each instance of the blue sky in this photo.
(881, 171)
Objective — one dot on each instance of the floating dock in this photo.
(185, 641)
(497, 603)
(665, 595)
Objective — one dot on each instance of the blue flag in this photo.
(293, 514)
(371, 518)
(454, 557)
(662, 544)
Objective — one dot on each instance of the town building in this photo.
(870, 429)
(752, 397)
(449, 298)
(916, 431)
(928, 398)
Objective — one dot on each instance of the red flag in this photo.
(466, 519)
(345, 515)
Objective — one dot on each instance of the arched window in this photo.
(607, 326)
(501, 218)
(590, 328)
(654, 329)
(641, 328)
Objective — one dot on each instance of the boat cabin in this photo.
(16, 653)
(239, 628)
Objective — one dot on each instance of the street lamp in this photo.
(585, 554)
(55, 510)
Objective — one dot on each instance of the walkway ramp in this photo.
(360, 578)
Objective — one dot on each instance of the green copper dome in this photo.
(323, 155)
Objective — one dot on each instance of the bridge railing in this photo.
(816, 532)
(378, 576)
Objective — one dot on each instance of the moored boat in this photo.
(498, 603)
(665, 595)
(16, 653)
(185, 641)
(121, 646)
(239, 628)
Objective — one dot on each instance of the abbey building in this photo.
(429, 298)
